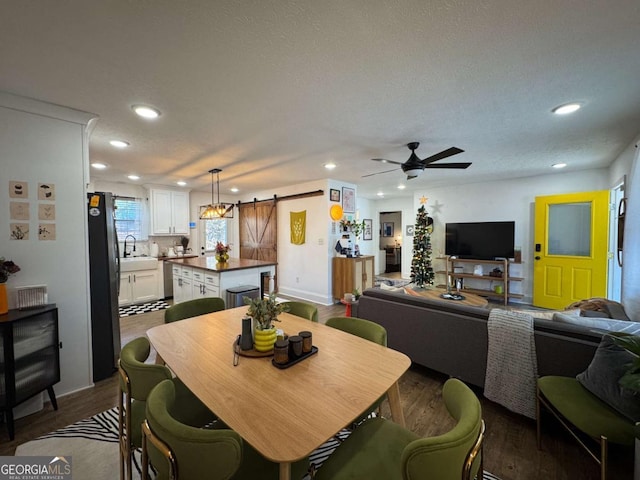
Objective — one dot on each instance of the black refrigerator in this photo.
(104, 264)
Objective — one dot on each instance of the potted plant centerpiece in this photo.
(264, 312)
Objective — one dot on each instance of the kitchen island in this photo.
(204, 277)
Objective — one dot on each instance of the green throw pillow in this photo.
(601, 378)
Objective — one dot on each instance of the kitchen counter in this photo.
(210, 263)
(193, 255)
(204, 277)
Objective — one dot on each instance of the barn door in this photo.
(259, 232)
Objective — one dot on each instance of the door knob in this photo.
(537, 257)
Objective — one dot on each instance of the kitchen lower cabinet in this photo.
(205, 284)
(29, 358)
(138, 287)
(350, 274)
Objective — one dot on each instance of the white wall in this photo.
(43, 143)
(503, 201)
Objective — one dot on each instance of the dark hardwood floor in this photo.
(510, 447)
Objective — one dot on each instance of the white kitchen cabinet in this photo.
(169, 212)
(205, 284)
(182, 284)
(138, 287)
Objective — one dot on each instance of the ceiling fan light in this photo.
(413, 172)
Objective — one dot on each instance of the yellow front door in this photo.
(570, 248)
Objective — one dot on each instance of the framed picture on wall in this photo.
(367, 233)
(334, 195)
(348, 200)
(387, 229)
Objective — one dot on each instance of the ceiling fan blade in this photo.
(384, 160)
(378, 173)
(443, 154)
(448, 165)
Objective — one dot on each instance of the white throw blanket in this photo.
(511, 362)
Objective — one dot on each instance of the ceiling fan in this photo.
(414, 166)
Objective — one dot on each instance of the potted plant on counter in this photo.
(264, 311)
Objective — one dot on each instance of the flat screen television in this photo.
(481, 240)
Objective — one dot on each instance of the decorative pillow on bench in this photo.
(601, 378)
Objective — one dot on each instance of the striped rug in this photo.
(92, 444)
(129, 310)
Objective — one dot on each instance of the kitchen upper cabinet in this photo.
(169, 212)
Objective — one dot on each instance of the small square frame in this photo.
(367, 233)
(334, 195)
(387, 229)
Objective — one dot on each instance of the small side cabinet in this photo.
(29, 357)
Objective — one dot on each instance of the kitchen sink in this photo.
(131, 264)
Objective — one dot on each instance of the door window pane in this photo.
(215, 231)
(570, 229)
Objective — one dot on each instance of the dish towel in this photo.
(511, 362)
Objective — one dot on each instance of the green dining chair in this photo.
(137, 379)
(193, 308)
(304, 310)
(179, 451)
(380, 448)
(369, 331)
(578, 410)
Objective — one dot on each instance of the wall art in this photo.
(19, 210)
(348, 200)
(18, 189)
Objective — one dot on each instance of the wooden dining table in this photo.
(285, 414)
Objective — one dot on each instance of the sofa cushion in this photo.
(548, 314)
(607, 324)
(602, 378)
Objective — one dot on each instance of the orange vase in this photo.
(4, 303)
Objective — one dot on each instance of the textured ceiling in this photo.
(270, 90)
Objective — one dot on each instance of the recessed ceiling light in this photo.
(98, 165)
(566, 108)
(380, 194)
(401, 186)
(119, 143)
(133, 177)
(145, 111)
(559, 165)
(330, 166)
(235, 190)
(181, 183)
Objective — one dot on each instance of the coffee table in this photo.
(470, 299)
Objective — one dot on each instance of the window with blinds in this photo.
(131, 218)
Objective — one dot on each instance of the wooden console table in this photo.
(30, 357)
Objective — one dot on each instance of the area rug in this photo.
(92, 444)
(130, 310)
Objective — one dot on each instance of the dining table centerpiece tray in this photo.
(293, 361)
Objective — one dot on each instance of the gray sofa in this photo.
(452, 338)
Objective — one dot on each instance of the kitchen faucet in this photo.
(126, 254)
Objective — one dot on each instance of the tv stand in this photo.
(504, 279)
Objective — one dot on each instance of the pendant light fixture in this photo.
(216, 210)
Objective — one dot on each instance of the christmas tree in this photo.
(421, 270)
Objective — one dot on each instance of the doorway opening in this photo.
(614, 284)
(391, 244)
